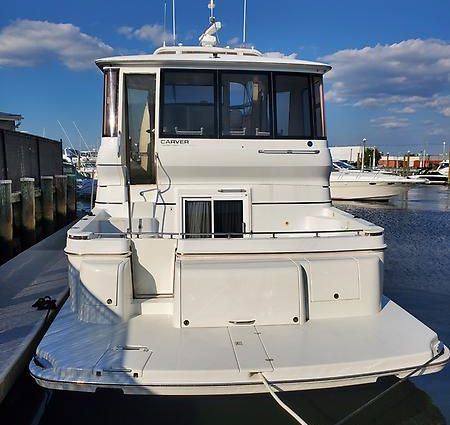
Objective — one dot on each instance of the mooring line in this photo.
(282, 404)
(42, 407)
(301, 421)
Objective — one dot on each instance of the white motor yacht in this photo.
(443, 168)
(430, 177)
(213, 261)
(349, 183)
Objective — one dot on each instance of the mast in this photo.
(173, 23)
(244, 35)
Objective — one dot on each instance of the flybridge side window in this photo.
(111, 103)
(245, 104)
(189, 99)
(293, 105)
(319, 113)
(140, 127)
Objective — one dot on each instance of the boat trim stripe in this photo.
(226, 384)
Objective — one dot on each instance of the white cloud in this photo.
(233, 41)
(153, 33)
(411, 74)
(389, 122)
(26, 43)
(406, 110)
(280, 55)
(438, 131)
(446, 111)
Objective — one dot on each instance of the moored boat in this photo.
(349, 183)
(213, 261)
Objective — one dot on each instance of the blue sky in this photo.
(391, 59)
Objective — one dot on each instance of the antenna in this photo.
(173, 22)
(244, 24)
(67, 136)
(82, 138)
(210, 37)
(211, 7)
(165, 19)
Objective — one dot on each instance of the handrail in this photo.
(229, 235)
(289, 151)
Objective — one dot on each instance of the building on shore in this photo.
(410, 161)
(10, 121)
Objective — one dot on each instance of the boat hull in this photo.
(367, 190)
(163, 360)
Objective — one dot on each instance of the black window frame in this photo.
(213, 234)
(218, 105)
(127, 125)
(322, 106)
(311, 99)
(271, 108)
(162, 134)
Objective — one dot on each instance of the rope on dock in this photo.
(45, 303)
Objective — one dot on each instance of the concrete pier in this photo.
(37, 272)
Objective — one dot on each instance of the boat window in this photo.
(228, 218)
(245, 105)
(140, 95)
(197, 219)
(110, 102)
(293, 105)
(319, 116)
(188, 104)
(206, 218)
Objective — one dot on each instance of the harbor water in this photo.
(417, 276)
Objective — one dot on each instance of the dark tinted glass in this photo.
(189, 104)
(293, 104)
(318, 107)
(228, 218)
(111, 102)
(140, 127)
(197, 219)
(245, 108)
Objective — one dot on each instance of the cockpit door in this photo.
(140, 127)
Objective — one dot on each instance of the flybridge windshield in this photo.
(237, 104)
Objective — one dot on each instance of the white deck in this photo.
(149, 355)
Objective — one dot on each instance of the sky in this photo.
(390, 81)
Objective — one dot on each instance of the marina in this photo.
(423, 400)
(213, 258)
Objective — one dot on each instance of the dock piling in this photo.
(47, 202)
(28, 211)
(71, 196)
(61, 199)
(6, 220)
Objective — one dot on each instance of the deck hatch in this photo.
(250, 353)
(129, 360)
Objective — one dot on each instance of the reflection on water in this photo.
(417, 230)
(417, 265)
(405, 405)
(421, 197)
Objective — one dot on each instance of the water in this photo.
(417, 277)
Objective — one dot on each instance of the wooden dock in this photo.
(36, 272)
(33, 212)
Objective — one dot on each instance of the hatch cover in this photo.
(249, 350)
